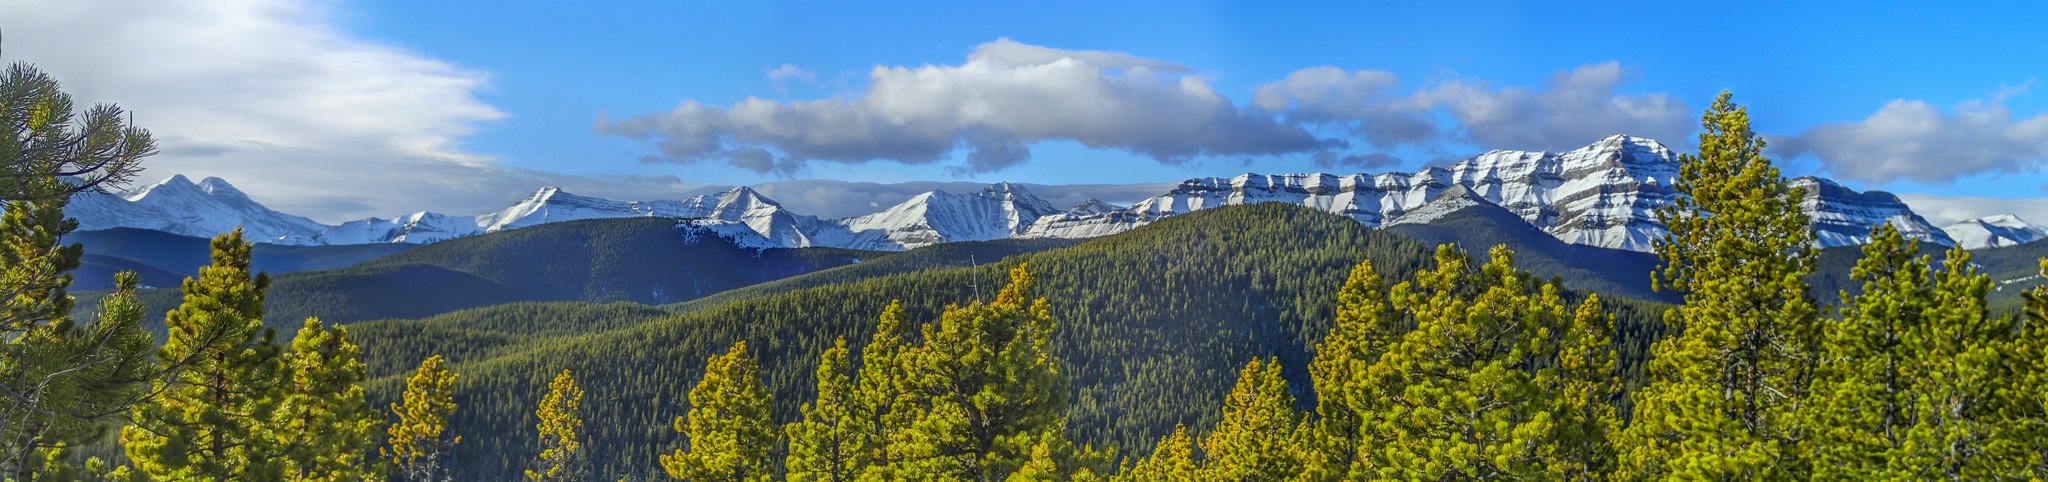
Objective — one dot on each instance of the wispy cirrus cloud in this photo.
(274, 97)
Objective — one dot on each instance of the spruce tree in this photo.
(730, 437)
(1172, 460)
(323, 425)
(830, 444)
(419, 440)
(61, 382)
(983, 390)
(561, 426)
(1722, 392)
(210, 420)
(1255, 439)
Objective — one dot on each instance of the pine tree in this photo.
(210, 421)
(984, 390)
(1254, 441)
(561, 446)
(1588, 389)
(1993, 394)
(61, 382)
(1172, 460)
(1722, 392)
(1465, 393)
(419, 440)
(1862, 402)
(47, 140)
(324, 425)
(2013, 394)
(729, 434)
(830, 444)
(1362, 331)
(880, 391)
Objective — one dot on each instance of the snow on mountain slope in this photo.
(1092, 206)
(551, 204)
(1995, 231)
(417, 228)
(179, 206)
(1452, 200)
(1844, 217)
(1604, 194)
(754, 212)
(999, 211)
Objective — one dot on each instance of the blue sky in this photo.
(1930, 100)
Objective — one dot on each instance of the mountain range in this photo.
(1603, 195)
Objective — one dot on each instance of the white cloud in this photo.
(1360, 100)
(272, 96)
(1914, 140)
(1003, 98)
(1576, 107)
(789, 72)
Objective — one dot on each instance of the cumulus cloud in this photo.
(1360, 101)
(1005, 97)
(1914, 140)
(1576, 107)
(272, 96)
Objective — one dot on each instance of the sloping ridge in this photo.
(641, 260)
(1459, 218)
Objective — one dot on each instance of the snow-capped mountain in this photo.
(1844, 217)
(999, 211)
(551, 204)
(417, 228)
(752, 212)
(1604, 194)
(1451, 200)
(179, 206)
(1995, 231)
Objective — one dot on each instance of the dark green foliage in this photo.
(937, 256)
(482, 333)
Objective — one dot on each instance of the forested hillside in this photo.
(641, 260)
(1153, 324)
